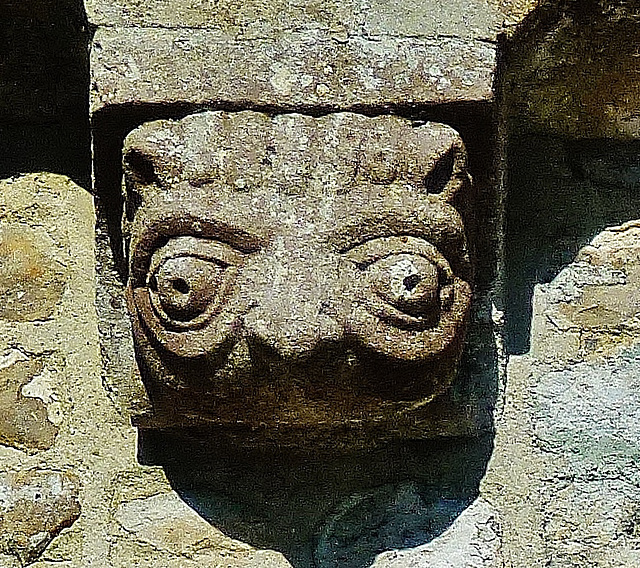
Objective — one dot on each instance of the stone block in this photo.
(472, 541)
(339, 55)
(35, 505)
(564, 472)
(480, 19)
(311, 70)
(577, 77)
(254, 18)
(24, 422)
(31, 281)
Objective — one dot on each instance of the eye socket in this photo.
(188, 280)
(407, 281)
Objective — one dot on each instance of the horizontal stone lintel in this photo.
(298, 70)
(479, 19)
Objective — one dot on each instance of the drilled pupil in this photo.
(186, 286)
(181, 285)
(410, 282)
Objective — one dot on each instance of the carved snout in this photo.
(295, 300)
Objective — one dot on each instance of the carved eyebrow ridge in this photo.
(171, 225)
(451, 242)
(358, 231)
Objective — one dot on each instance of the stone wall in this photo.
(544, 95)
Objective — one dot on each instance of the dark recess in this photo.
(560, 191)
(44, 78)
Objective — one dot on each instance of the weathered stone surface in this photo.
(297, 55)
(567, 447)
(35, 506)
(7, 561)
(168, 524)
(42, 361)
(594, 307)
(297, 70)
(31, 281)
(396, 518)
(253, 18)
(578, 77)
(24, 422)
(472, 541)
(481, 19)
(286, 253)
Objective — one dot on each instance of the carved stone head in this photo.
(295, 271)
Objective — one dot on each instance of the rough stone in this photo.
(472, 541)
(396, 518)
(297, 55)
(246, 18)
(31, 281)
(24, 422)
(295, 71)
(35, 506)
(167, 523)
(287, 252)
(578, 76)
(565, 473)
(481, 18)
(566, 447)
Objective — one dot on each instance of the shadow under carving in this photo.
(322, 509)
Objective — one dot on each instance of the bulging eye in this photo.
(407, 282)
(184, 287)
(189, 279)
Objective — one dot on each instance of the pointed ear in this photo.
(449, 178)
(151, 154)
(139, 167)
(439, 162)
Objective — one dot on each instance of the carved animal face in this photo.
(295, 270)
